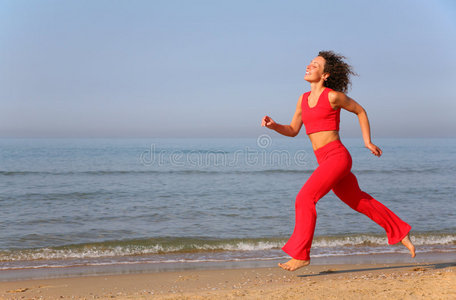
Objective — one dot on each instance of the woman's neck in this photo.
(317, 87)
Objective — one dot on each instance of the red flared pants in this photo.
(333, 172)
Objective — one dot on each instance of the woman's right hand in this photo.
(268, 122)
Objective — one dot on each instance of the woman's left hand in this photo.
(374, 149)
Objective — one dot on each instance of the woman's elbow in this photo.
(294, 130)
(294, 133)
(361, 111)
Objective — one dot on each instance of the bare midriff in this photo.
(321, 138)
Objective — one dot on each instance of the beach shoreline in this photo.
(342, 281)
(153, 266)
(389, 276)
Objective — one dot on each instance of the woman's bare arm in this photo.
(338, 99)
(287, 130)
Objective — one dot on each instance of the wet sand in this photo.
(341, 281)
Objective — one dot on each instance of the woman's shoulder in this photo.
(335, 95)
(336, 98)
(300, 99)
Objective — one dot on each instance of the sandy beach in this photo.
(341, 281)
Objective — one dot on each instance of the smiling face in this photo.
(315, 70)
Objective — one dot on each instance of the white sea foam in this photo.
(327, 245)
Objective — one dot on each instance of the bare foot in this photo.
(294, 264)
(408, 243)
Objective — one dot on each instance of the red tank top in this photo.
(322, 116)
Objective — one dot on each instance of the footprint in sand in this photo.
(21, 290)
(419, 269)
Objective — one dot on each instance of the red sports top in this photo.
(322, 116)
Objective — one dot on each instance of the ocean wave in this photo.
(195, 245)
(139, 247)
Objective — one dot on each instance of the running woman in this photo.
(319, 111)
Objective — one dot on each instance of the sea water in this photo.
(88, 202)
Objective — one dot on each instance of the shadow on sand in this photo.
(417, 267)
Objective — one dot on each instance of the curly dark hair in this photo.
(339, 71)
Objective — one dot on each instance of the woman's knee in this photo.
(304, 198)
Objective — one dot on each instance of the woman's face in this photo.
(314, 71)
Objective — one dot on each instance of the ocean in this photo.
(109, 202)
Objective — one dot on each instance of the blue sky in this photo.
(215, 68)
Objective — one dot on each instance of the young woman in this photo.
(319, 110)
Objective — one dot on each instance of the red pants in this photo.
(333, 172)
